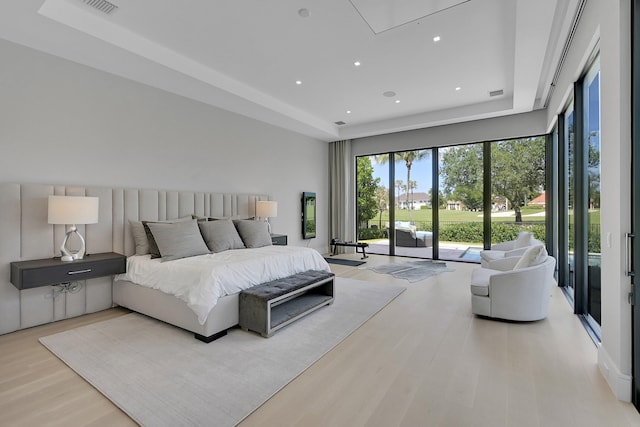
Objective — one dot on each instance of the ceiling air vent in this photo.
(340, 123)
(101, 5)
(496, 92)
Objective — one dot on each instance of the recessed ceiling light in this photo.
(304, 12)
(348, 111)
(397, 101)
(458, 88)
(389, 94)
(357, 63)
(436, 39)
(298, 82)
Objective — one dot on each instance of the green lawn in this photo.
(425, 215)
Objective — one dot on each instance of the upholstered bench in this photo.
(273, 305)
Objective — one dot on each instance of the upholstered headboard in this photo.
(25, 234)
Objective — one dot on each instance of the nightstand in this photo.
(52, 271)
(279, 239)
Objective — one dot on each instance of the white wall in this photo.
(607, 22)
(64, 123)
(527, 124)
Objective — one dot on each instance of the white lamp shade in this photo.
(73, 210)
(266, 209)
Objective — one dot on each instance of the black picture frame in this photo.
(308, 215)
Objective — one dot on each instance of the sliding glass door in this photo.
(518, 200)
(579, 167)
(592, 181)
(460, 221)
(449, 203)
(374, 204)
(569, 182)
(413, 217)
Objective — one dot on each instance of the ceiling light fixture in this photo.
(357, 63)
(436, 39)
(348, 111)
(458, 88)
(397, 101)
(298, 82)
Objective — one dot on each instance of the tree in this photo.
(366, 192)
(442, 200)
(408, 157)
(412, 186)
(399, 186)
(382, 194)
(593, 170)
(518, 170)
(461, 173)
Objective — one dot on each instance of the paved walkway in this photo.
(448, 251)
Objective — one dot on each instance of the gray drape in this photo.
(341, 200)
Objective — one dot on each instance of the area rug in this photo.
(161, 376)
(413, 271)
(349, 262)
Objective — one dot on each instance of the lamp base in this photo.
(68, 255)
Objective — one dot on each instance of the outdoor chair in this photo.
(409, 237)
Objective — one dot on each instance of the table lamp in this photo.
(70, 211)
(267, 209)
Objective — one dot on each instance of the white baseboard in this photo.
(620, 383)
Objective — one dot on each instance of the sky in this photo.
(420, 172)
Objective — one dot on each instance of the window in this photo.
(439, 204)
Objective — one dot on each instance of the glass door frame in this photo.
(634, 256)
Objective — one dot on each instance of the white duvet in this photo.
(201, 280)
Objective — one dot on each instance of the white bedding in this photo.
(201, 280)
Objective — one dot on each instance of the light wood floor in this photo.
(424, 360)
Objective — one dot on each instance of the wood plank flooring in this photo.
(424, 360)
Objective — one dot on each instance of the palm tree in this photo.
(399, 186)
(382, 194)
(412, 186)
(409, 157)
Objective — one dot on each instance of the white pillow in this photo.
(524, 239)
(535, 255)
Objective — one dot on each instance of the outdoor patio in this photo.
(448, 251)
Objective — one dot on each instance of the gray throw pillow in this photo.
(220, 235)
(254, 234)
(152, 247)
(139, 237)
(178, 240)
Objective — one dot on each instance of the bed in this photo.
(27, 236)
(200, 293)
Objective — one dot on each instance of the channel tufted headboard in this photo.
(25, 235)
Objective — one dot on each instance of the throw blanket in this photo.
(201, 280)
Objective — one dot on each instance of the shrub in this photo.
(472, 232)
(503, 232)
(463, 232)
(371, 233)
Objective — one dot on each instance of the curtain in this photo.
(341, 201)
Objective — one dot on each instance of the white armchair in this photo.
(512, 248)
(514, 288)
